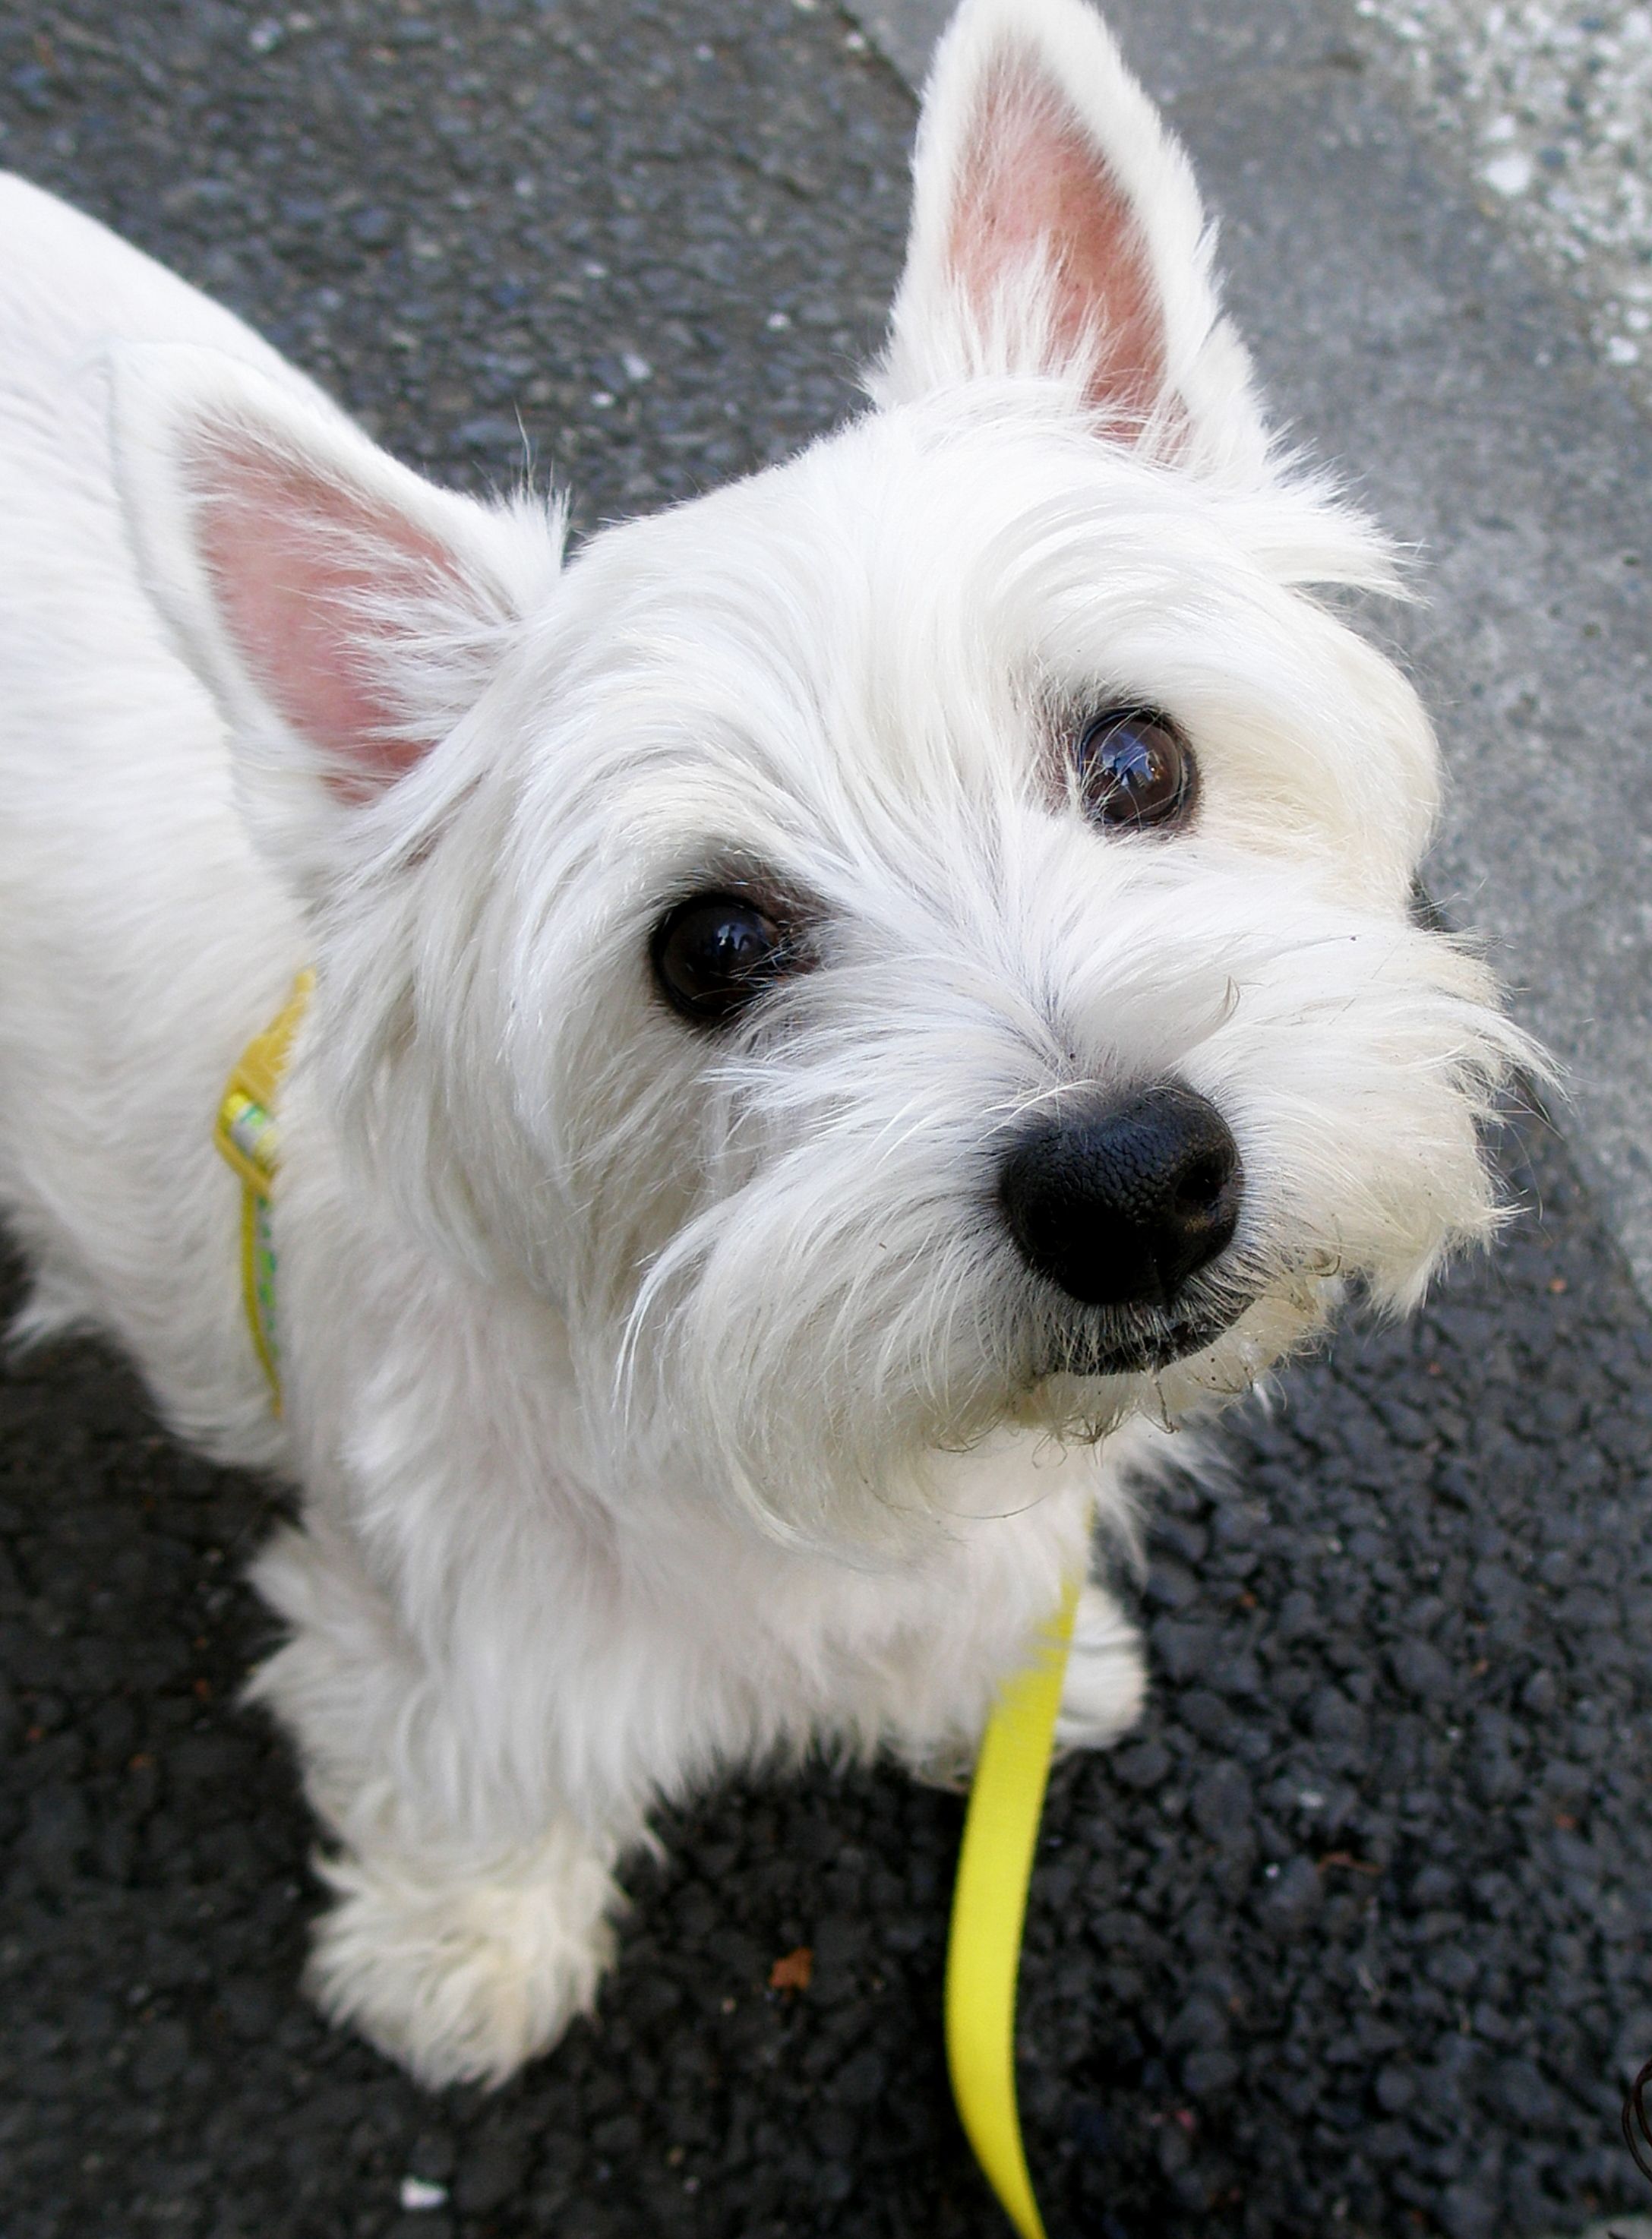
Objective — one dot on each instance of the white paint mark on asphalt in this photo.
(1509, 175)
(1566, 86)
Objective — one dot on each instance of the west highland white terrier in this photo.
(844, 1010)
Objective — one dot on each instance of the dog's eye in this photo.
(1135, 769)
(713, 954)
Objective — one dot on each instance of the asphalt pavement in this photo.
(1353, 1935)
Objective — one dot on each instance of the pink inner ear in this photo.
(304, 569)
(1031, 179)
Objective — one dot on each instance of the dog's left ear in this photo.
(344, 613)
(1057, 230)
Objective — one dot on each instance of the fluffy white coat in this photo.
(661, 1399)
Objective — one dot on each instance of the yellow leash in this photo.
(246, 1135)
(989, 1906)
(1006, 1796)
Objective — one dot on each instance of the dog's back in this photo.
(140, 937)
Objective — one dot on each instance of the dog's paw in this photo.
(462, 1976)
(948, 1764)
(1106, 1680)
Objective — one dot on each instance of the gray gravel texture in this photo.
(1549, 108)
(1351, 1937)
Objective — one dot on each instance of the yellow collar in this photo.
(247, 1137)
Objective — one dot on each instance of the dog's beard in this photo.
(836, 1430)
(1083, 1370)
(825, 1366)
(831, 1302)
(1136, 1342)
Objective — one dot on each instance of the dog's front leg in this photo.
(463, 1962)
(1106, 1680)
(934, 1718)
(467, 1928)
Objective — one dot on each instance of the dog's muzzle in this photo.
(1121, 1207)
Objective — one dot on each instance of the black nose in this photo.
(1120, 1207)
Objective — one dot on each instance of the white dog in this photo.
(843, 1012)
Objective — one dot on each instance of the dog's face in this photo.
(915, 943)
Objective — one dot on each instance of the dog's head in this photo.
(913, 943)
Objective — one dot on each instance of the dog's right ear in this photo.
(344, 613)
(1057, 230)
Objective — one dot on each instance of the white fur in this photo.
(662, 1401)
